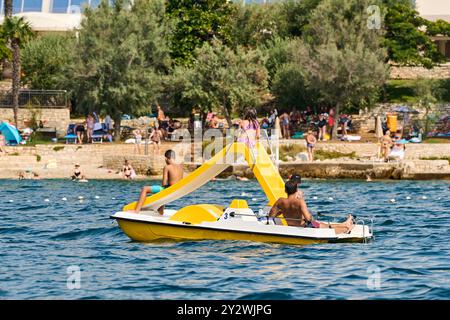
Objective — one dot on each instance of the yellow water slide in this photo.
(257, 158)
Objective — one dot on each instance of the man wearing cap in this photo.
(298, 180)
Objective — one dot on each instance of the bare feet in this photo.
(349, 223)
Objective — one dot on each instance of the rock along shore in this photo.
(105, 161)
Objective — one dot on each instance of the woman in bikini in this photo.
(155, 137)
(251, 130)
(127, 170)
(77, 174)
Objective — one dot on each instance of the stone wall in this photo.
(143, 164)
(407, 73)
(370, 150)
(58, 118)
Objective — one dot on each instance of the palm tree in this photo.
(8, 5)
(18, 32)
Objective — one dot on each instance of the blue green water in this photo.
(40, 240)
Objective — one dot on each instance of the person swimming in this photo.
(127, 170)
(77, 173)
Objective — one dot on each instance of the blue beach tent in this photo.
(11, 134)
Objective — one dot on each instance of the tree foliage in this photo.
(121, 58)
(256, 24)
(407, 36)
(346, 60)
(46, 61)
(17, 32)
(223, 79)
(197, 22)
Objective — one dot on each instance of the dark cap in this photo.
(296, 178)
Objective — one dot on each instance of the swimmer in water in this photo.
(127, 170)
(77, 173)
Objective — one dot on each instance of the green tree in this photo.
(256, 24)
(46, 61)
(197, 22)
(428, 92)
(289, 77)
(345, 61)
(295, 16)
(5, 51)
(223, 79)
(18, 32)
(122, 56)
(406, 40)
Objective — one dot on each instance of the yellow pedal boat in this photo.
(237, 222)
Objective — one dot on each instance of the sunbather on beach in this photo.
(386, 143)
(296, 213)
(172, 173)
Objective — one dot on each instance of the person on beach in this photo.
(128, 171)
(251, 130)
(310, 144)
(172, 173)
(386, 144)
(296, 213)
(90, 123)
(107, 122)
(137, 141)
(77, 173)
(79, 131)
(284, 121)
(2, 145)
(155, 138)
(322, 124)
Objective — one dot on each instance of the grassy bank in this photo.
(403, 91)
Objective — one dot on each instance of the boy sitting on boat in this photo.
(172, 173)
(296, 213)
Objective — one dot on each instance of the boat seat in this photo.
(196, 214)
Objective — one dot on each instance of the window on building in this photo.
(17, 6)
(59, 6)
(32, 5)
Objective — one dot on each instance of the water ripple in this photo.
(43, 242)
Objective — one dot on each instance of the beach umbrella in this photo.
(405, 109)
(11, 133)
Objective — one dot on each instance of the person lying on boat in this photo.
(296, 213)
(172, 173)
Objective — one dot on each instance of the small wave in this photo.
(387, 222)
(268, 295)
(14, 230)
(74, 235)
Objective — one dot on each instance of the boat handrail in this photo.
(233, 214)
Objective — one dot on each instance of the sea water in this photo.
(57, 241)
